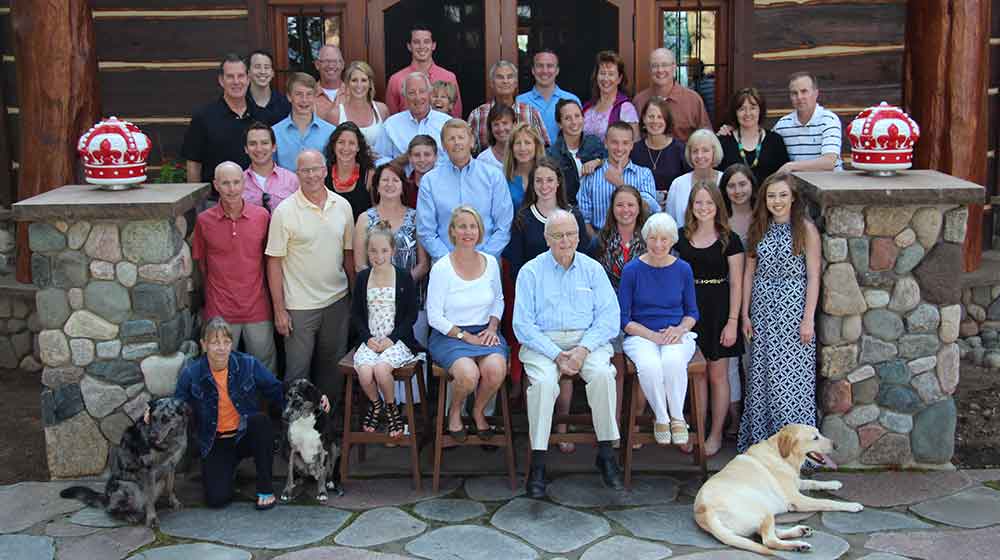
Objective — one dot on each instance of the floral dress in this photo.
(381, 321)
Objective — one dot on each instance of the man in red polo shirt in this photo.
(228, 245)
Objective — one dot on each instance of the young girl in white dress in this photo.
(383, 310)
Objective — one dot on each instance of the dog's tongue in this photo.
(825, 460)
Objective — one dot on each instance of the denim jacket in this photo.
(247, 375)
(591, 148)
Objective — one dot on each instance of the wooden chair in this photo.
(696, 368)
(442, 439)
(361, 437)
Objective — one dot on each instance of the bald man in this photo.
(228, 245)
(686, 106)
(310, 263)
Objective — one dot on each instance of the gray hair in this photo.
(665, 51)
(412, 75)
(227, 165)
(556, 215)
(216, 325)
(501, 64)
(661, 224)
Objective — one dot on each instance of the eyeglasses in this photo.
(310, 170)
(559, 236)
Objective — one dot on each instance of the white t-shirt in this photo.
(576, 160)
(331, 93)
(261, 180)
(452, 301)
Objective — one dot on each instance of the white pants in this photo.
(662, 371)
(543, 390)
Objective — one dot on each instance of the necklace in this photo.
(756, 155)
(649, 152)
(350, 181)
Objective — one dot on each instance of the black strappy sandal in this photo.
(394, 420)
(373, 416)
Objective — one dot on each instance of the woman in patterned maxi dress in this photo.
(781, 288)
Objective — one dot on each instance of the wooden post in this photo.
(55, 50)
(945, 91)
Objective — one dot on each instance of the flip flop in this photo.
(263, 506)
(458, 435)
(488, 433)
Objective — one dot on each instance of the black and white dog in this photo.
(312, 450)
(143, 465)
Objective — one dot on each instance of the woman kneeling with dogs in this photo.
(221, 386)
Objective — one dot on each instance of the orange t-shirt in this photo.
(229, 417)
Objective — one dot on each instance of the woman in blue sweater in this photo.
(659, 309)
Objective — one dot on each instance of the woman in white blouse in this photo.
(703, 154)
(464, 306)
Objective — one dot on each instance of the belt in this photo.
(711, 280)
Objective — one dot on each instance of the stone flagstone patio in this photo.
(931, 516)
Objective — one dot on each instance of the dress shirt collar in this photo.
(554, 264)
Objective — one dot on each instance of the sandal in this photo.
(394, 420)
(567, 447)
(265, 501)
(373, 416)
(679, 433)
(661, 433)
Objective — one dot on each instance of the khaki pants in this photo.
(543, 375)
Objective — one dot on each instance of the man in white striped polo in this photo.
(811, 133)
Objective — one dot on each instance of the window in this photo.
(693, 36)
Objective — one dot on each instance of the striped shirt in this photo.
(819, 136)
(525, 114)
(595, 192)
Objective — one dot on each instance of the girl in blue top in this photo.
(659, 309)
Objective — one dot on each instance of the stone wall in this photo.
(115, 318)
(888, 323)
(980, 327)
(18, 321)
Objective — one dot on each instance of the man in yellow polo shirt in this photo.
(310, 265)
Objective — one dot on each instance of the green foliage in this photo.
(173, 172)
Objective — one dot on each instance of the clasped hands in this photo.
(570, 362)
(669, 335)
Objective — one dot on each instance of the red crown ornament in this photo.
(114, 152)
(882, 139)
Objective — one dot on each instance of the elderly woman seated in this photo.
(658, 311)
(564, 317)
(464, 306)
(221, 386)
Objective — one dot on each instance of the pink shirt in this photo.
(394, 89)
(231, 256)
(280, 185)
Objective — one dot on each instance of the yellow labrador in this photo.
(743, 498)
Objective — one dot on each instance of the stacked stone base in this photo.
(114, 316)
(888, 326)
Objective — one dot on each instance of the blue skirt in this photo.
(446, 349)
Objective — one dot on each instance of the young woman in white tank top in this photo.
(359, 105)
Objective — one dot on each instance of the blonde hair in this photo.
(364, 68)
(448, 87)
(508, 161)
(455, 123)
(707, 136)
(465, 210)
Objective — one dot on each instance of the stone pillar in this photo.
(889, 313)
(113, 272)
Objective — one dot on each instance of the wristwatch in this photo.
(460, 335)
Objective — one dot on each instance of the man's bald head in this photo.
(557, 218)
(229, 182)
(309, 157)
(227, 166)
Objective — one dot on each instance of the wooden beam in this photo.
(55, 49)
(945, 90)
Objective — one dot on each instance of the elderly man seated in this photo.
(564, 316)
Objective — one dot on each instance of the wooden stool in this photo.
(696, 368)
(443, 439)
(557, 438)
(361, 437)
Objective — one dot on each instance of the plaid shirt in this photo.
(525, 114)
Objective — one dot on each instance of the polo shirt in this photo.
(547, 108)
(277, 108)
(281, 184)
(231, 257)
(811, 140)
(291, 141)
(311, 241)
(216, 135)
(686, 108)
(396, 101)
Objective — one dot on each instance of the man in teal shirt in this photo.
(301, 129)
(545, 94)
